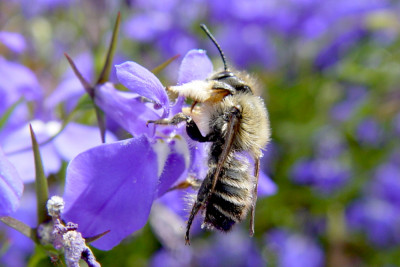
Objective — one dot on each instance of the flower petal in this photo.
(195, 66)
(111, 187)
(141, 81)
(76, 138)
(266, 187)
(127, 109)
(14, 41)
(11, 186)
(18, 80)
(20, 141)
(175, 164)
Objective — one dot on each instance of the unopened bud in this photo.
(55, 205)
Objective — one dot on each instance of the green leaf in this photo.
(20, 227)
(45, 256)
(101, 123)
(88, 88)
(105, 73)
(163, 65)
(42, 192)
(84, 103)
(9, 111)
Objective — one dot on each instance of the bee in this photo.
(235, 121)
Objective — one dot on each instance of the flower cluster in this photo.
(67, 237)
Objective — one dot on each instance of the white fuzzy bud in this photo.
(55, 205)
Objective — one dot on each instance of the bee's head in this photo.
(229, 81)
(226, 79)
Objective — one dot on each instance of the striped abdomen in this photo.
(232, 197)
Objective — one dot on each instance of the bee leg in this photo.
(178, 118)
(194, 133)
(253, 204)
(198, 204)
(189, 182)
(196, 207)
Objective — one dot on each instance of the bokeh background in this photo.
(330, 72)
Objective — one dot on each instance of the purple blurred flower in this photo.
(15, 143)
(38, 7)
(70, 89)
(234, 249)
(19, 247)
(255, 47)
(396, 124)
(377, 213)
(11, 186)
(17, 82)
(369, 132)
(343, 110)
(303, 172)
(166, 258)
(329, 143)
(377, 218)
(146, 27)
(332, 53)
(326, 175)
(294, 250)
(175, 40)
(14, 41)
(386, 183)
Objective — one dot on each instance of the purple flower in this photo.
(166, 258)
(343, 43)
(38, 7)
(17, 145)
(11, 186)
(253, 38)
(343, 110)
(396, 124)
(326, 175)
(112, 186)
(233, 249)
(20, 246)
(14, 41)
(175, 40)
(329, 143)
(377, 218)
(377, 213)
(146, 27)
(386, 183)
(70, 89)
(369, 132)
(294, 250)
(17, 82)
(74, 139)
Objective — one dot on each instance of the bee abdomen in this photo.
(230, 200)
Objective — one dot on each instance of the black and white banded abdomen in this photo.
(232, 196)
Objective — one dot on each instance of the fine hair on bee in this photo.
(227, 114)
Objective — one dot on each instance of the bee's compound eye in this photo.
(222, 75)
(244, 88)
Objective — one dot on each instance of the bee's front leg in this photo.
(178, 118)
(191, 127)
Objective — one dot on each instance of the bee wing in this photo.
(232, 126)
(253, 204)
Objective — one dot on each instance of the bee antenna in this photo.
(205, 29)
